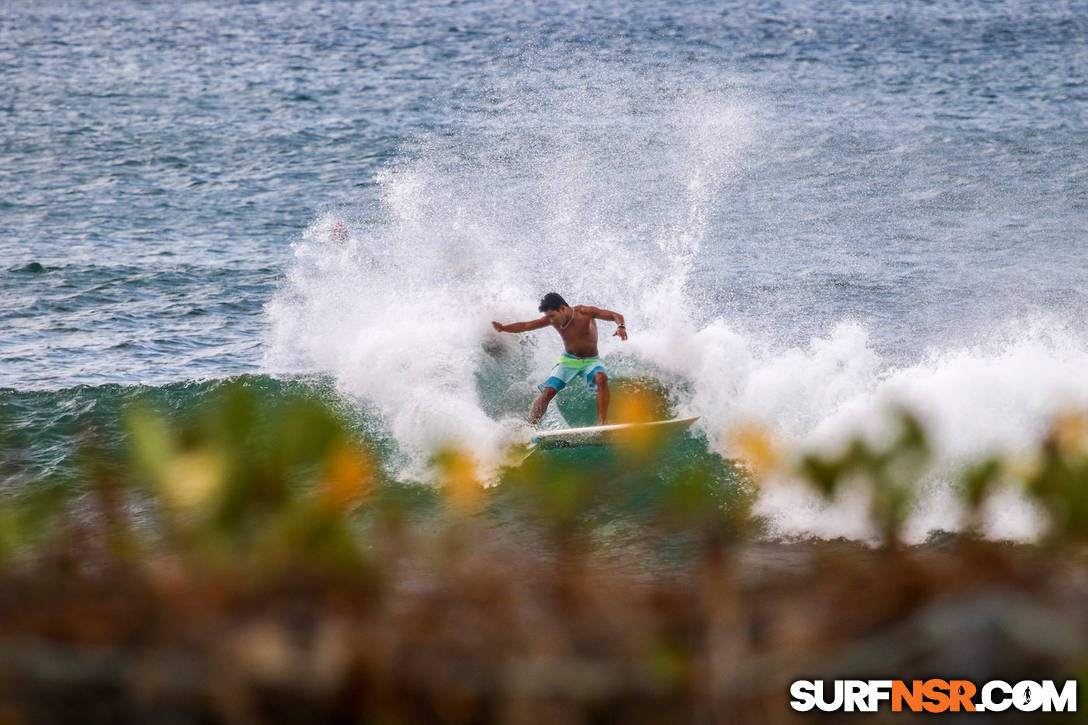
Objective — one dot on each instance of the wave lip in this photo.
(478, 222)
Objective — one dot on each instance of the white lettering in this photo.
(994, 696)
(803, 694)
(1064, 701)
(856, 698)
(834, 704)
(879, 690)
(992, 703)
(1027, 696)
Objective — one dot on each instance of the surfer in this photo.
(338, 233)
(578, 327)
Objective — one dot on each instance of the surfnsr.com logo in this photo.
(933, 695)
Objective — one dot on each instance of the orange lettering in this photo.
(913, 695)
(936, 690)
(961, 693)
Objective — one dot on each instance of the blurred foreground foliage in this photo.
(251, 561)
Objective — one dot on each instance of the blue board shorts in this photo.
(570, 367)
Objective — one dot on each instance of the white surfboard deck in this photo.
(607, 435)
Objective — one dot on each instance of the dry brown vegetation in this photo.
(250, 563)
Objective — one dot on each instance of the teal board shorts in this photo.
(570, 367)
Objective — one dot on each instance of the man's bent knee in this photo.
(600, 379)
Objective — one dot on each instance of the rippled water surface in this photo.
(922, 162)
(803, 209)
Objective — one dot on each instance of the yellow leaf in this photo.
(461, 481)
(349, 476)
(755, 446)
(192, 480)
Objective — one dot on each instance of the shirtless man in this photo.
(578, 327)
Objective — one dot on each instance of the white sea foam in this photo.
(478, 226)
(972, 403)
(607, 196)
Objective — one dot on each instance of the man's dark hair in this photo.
(552, 301)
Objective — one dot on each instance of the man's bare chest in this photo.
(580, 328)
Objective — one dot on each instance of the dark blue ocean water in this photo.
(803, 186)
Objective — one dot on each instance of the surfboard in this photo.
(608, 435)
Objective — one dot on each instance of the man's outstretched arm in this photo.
(598, 313)
(521, 326)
